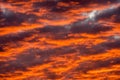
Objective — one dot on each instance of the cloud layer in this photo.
(59, 39)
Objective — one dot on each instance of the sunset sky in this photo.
(59, 39)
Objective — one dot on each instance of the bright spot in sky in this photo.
(92, 14)
(116, 37)
(5, 11)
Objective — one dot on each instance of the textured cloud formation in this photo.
(59, 39)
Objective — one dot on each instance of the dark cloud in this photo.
(12, 18)
(60, 9)
(108, 13)
(113, 45)
(87, 2)
(29, 58)
(91, 65)
(90, 28)
(14, 1)
(52, 75)
(51, 29)
(36, 56)
(54, 32)
(47, 4)
(62, 32)
(14, 37)
(11, 67)
(93, 50)
(116, 19)
(51, 5)
(1, 49)
(99, 48)
(48, 32)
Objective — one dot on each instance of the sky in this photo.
(60, 40)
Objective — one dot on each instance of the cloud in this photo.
(99, 48)
(89, 28)
(113, 45)
(28, 58)
(109, 12)
(47, 3)
(1, 49)
(87, 2)
(12, 18)
(31, 56)
(51, 29)
(15, 37)
(91, 65)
